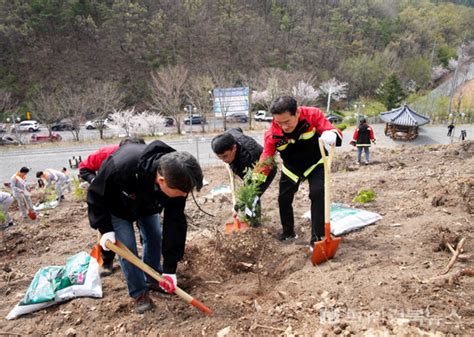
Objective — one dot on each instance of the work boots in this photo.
(142, 303)
(286, 237)
(107, 269)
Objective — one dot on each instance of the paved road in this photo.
(38, 158)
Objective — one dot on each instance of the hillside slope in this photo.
(383, 279)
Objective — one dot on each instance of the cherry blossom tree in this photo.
(153, 123)
(333, 89)
(304, 93)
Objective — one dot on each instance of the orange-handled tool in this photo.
(120, 249)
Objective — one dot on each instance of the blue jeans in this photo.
(359, 153)
(150, 231)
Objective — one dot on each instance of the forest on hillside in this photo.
(95, 55)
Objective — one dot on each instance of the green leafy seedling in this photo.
(78, 191)
(364, 196)
(246, 194)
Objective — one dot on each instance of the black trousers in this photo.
(108, 256)
(288, 188)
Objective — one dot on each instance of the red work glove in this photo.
(170, 285)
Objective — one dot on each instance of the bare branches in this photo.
(455, 256)
(47, 108)
(199, 93)
(7, 102)
(168, 91)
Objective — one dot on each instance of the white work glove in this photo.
(107, 236)
(252, 212)
(329, 138)
(170, 285)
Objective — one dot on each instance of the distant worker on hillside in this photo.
(242, 152)
(60, 180)
(136, 183)
(450, 129)
(6, 200)
(295, 134)
(88, 169)
(21, 192)
(362, 139)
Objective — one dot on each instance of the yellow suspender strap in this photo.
(306, 173)
(289, 174)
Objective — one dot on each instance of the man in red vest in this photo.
(295, 134)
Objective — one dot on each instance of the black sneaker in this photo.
(107, 269)
(142, 303)
(10, 224)
(286, 237)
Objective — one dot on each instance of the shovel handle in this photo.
(121, 250)
(327, 161)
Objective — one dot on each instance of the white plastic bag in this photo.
(345, 219)
(56, 284)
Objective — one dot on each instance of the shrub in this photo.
(78, 191)
(341, 126)
(364, 196)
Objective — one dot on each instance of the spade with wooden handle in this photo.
(120, 249)
(325, 249)
(237, 225)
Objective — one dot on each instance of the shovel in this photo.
(96, 251)
(120, 249)
(325, 249)
(31, 213)
(237, 225)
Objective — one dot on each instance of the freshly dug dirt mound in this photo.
(384, 279)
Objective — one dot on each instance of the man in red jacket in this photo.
(88, 169)
(295, 133)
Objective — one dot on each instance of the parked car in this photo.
(238, 118)
(54, 137)
(8, 141)
(64, 125)
(169, 121)
(262, 115)
(96, 123)
(31, 126)
(195, 119)
(334, 119)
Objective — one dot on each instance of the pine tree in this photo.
(390, 92)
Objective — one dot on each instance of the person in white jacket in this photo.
(61, 181)
(6, 200)
(20, 191)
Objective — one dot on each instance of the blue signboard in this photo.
(229, 101)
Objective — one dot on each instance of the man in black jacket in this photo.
(136, 183)
(241, 152)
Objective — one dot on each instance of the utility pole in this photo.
(432, 54)
(455, 78)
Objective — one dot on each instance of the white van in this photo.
(262, 115)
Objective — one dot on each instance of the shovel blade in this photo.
(96, 254)
(324, 250)
(236, 226)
